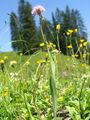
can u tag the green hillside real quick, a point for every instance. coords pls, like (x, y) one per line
(25, 86)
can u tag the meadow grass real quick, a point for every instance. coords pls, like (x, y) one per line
(25, 92)
(46, 85)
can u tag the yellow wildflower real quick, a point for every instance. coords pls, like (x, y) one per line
(67, 33)
(58, 27)
(48, 99)
(60, 99)
(27, 63)
(85, 43)
(5, 57)
(54, 46)
(5, 93)
(75, 30)
(70, 31)
(56, 61)
(84, 55)
(48, 61)
(82, 40)
(73, 55)
(1, 61)
(76, 55)
(69, 46)
(42, 44)
(84, 65)
(81, 45)
(46, 55)
(50, 45)
(41, 61)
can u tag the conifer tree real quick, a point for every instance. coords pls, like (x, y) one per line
(27, 26)
(14, 31)
(28, 35)
(69, 19)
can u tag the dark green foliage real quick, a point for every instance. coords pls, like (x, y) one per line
(28, 36)
(14, 31)
(27, 26)
(69, 19)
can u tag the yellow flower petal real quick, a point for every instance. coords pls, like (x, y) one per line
(42, 44)
(1, 61)
(81, 45)
(27, 63)
(84, 55)
(70, 31)
(41, 61)
(58, 27)
(67, 33)
(76, 30)
(85, 43)
(82, 40)
(5, 57)
(69, 46)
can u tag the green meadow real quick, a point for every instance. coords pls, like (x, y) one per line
(26, 92)
(48, 77)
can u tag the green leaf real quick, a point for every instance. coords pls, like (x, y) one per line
(53, 94)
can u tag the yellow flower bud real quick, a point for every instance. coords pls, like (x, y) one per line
(82, 40)
(1, 61)
(58, 27)
(27, 63)
(70, 31)
(85, 43)
(42, 44)
(5, 57)
(76, 30)
(41, 61)
(67, 33)
(81, 45)
(84, 55)
(69, 46)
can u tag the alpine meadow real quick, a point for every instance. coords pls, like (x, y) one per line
(47, 74)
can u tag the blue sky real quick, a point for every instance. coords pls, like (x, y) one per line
(6, 6)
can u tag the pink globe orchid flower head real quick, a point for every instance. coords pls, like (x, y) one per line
(38, 10)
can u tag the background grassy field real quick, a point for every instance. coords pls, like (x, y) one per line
(25, 92)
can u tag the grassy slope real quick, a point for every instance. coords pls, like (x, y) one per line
(67, 66)
(67, 69)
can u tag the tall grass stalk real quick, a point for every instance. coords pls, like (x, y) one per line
(80, 96)
(58, 43)
(28, 109)
(52, 77)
